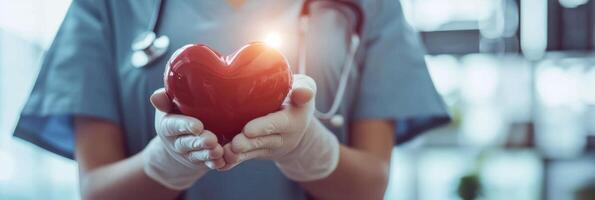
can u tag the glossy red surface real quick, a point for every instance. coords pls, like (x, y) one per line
(227, 92)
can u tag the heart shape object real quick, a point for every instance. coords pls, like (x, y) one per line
(225, 93)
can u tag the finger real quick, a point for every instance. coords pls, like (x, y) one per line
(205, 155)
(256, 154)
(186, 143)
(271, 123)
(242, 144)
(174, 125)
(303, 90)
(216, 163)
(198, 156)
(161, 101)
(210, 139)
(216, 153)
(231, 159)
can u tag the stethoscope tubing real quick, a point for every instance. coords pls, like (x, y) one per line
(331, 114)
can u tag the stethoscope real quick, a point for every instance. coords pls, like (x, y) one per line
(147, 47)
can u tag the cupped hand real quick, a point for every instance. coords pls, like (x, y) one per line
(184, 136)
(182, 151)
(291, 136)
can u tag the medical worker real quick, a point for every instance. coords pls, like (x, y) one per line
(92, 104)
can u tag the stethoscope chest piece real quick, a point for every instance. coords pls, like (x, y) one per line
(147, 47)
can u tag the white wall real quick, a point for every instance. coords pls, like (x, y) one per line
(27, 172)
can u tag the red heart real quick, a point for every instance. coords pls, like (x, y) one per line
(226, 92)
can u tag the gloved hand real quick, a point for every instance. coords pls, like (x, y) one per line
(302, 148)
(182, 151)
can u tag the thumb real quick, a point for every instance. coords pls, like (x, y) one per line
(304, 90)
(161, 101)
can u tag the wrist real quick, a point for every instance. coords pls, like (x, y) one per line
(315, 157)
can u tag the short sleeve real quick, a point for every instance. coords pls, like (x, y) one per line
(77, 78)
(395, 82)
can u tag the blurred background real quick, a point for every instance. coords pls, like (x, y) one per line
(518, 77)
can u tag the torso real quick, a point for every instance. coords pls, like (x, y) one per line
(225, 29)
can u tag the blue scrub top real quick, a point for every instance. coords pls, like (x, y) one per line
(87, 72)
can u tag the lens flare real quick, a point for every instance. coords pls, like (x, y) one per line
(273, 39)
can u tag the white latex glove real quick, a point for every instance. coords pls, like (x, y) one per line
(302, 148)
(182, 151)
